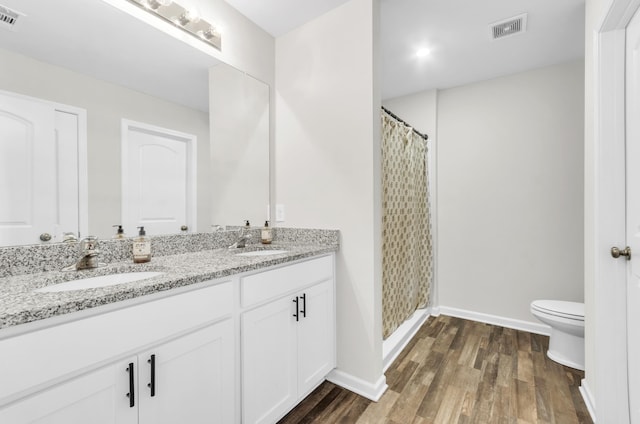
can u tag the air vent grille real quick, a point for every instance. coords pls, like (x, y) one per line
(8, 18)
(508, 27)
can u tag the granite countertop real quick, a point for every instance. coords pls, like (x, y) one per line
(19, 304)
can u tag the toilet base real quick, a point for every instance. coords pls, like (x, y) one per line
(566, 349)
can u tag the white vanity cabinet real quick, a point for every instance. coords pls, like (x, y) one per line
(246, 348)
(288, 336)
(101, 369)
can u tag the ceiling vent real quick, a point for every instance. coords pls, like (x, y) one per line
(9, 18)
(508, 27)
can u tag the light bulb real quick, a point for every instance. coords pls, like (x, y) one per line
(208, 34)
(189, 16)
(155, 4)
(423, 52)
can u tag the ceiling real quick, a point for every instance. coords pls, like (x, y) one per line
(456, 32)
(462, 51)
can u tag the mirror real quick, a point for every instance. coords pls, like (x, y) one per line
(89, 55)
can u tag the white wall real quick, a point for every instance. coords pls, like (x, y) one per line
(510, 191)
(327, 164)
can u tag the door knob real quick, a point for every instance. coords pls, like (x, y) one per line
(616, 253)
(45, 237)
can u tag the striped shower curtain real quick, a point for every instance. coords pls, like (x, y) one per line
(407, 266)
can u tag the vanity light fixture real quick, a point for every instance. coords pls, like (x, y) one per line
(187, 20)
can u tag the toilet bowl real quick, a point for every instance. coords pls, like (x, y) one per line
(566, 319)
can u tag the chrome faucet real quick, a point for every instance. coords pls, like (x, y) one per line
(243, 236)
(88, 255)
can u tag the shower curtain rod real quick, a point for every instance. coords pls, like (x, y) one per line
(394, 116)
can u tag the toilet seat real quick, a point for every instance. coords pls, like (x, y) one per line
(560, 308)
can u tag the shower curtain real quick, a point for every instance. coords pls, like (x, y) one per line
(407, 266)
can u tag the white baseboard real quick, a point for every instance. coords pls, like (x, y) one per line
(516, 324)
(371, 391)
(395, 343)
(588, 399)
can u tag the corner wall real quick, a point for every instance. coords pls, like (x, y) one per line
(327, 167)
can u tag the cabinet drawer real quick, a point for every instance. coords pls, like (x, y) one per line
(267, 285)
(35, 358)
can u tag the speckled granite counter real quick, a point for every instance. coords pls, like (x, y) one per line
(19, 304)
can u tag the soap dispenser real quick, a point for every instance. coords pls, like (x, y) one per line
(119, 233)
(141, 247)
(266, 235)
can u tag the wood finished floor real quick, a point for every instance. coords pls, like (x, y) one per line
(459, 371)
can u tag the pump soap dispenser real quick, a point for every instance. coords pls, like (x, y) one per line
(119, 233)
(141, 247)
(266, 234)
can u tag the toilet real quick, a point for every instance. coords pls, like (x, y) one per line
(566, 319)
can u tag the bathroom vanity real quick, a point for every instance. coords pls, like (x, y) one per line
(217, 337)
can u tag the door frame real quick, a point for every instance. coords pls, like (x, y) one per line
(83, 167)
(606, 319)
(192, 159)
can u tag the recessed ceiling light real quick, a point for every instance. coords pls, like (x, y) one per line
(423, 52)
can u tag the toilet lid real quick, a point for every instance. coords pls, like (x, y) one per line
(561, 308)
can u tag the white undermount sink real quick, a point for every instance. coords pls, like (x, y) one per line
(100, 281)
(266, 252)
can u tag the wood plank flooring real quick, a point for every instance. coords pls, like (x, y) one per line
(459, 371)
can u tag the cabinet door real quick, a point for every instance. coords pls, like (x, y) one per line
(193, 380)
(98, 397)
(316, 336)
(269, 385)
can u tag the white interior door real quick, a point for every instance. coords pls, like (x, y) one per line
(158, 179)
(633, 212)
(27, 170)
(42, 170)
